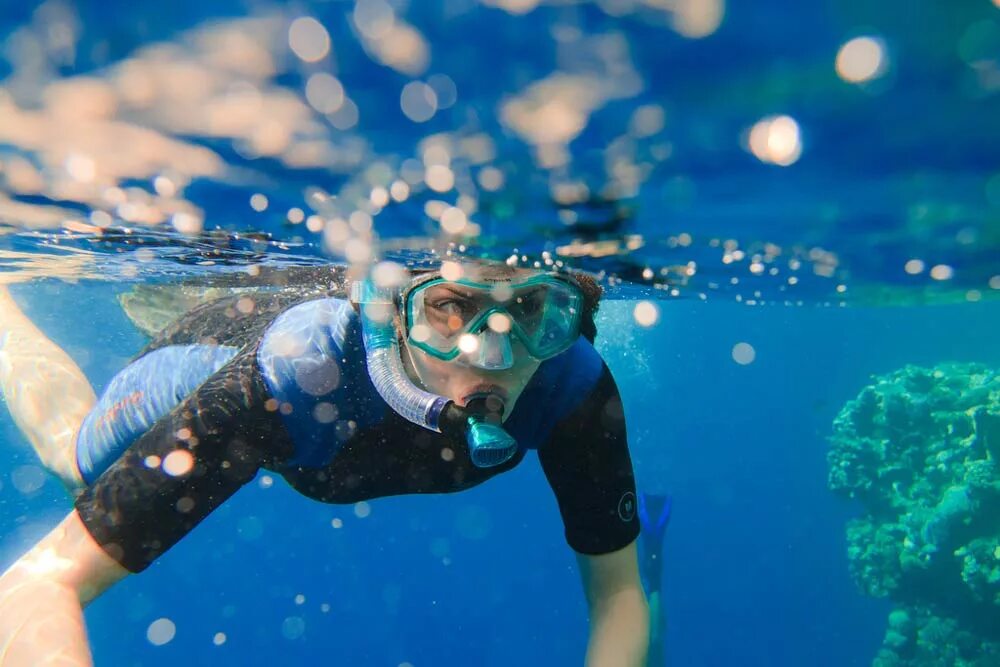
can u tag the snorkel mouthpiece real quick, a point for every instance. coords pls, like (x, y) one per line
(489, 444)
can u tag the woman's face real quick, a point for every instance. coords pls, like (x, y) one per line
(445, 309)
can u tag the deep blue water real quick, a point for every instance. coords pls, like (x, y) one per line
(755, 565)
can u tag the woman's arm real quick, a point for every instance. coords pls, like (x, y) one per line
(42, 597)
(619, 615)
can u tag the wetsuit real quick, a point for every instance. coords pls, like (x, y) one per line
(279, 381)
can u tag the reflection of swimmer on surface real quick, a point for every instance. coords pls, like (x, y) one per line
(654, 515)
(431, 385)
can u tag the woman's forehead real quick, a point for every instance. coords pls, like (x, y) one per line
(485, 272)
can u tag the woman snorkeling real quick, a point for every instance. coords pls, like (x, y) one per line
(410, 381)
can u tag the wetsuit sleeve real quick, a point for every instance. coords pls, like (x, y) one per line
(187, 464)
(588, 466)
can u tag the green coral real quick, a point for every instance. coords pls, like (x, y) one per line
(919, 449)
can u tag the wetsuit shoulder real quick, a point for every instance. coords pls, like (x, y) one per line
(313, 363)
(557, 388)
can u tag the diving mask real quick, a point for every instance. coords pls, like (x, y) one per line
(476, 320)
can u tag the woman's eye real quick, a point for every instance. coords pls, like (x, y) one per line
(450, 307)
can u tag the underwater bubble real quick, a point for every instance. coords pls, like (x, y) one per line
(743, 353)
(914, 267)
(219, 639)
(399, 191)
(942, 272)
(308, 39)
(454, 220)
(362, 510)
(379, 196)
(293, 627)
(164, 186)
(646, 120)
(995, 282)
(337, 523)
(451, 271)
(374, 18)
(325, 413)
(420, 332)
(266, 481)
(775, 140)
(444, 89)
(178, 462)
(186, 223)
(324, 92)
(491, 179)
(318, 379)
(696, 18)
(325, 608)
(161, 631)
(512, 7)
(499, 322)
(300, 599)
(357, 251)
(468, 343)
(418, 101)
(27, 479)
(439, 178)
(861, 59)
(346, 116)
(296, 215)
(185, 505)
(245, 305)
(646, 313)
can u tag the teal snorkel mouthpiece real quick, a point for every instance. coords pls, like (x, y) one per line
(489, 444)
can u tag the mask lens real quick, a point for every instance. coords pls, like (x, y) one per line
(543, 312)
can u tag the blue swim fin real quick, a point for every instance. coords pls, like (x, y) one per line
(654, 512)
(654, 516)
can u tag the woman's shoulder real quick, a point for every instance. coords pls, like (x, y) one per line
(311, 324)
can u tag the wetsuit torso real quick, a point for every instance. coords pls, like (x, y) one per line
(279, 381)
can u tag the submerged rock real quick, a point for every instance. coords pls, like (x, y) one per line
(919, 448)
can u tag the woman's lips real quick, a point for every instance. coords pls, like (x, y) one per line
(485, 391)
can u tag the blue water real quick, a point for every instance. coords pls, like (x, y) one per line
(756, 570)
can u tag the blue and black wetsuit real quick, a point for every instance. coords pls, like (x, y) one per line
(279, 381)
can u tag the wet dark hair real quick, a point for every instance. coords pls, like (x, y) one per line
(592, 293)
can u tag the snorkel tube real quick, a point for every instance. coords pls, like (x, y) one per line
(489, 444)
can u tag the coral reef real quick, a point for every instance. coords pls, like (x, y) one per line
(920, 450)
